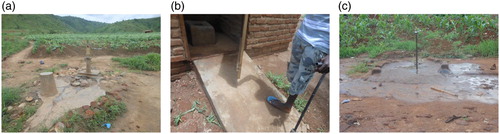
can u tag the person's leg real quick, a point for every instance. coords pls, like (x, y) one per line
(293, 66)
(299, 75)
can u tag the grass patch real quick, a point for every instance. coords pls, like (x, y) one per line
(451, 36)
(300, 104)
(360, 68)
(108, 112)
(63, 65)
(148, 62)
(279, 81)
(488, 48)
(10, 96)
(346, 52)
(12, 43)
(404, 45)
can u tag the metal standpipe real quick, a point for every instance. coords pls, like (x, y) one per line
(416, 51)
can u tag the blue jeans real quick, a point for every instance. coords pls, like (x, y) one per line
(302, 65)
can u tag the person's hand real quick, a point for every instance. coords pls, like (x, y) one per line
(325, 67)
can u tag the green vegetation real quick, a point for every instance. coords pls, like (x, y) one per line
(10, 96)
(212, 119)
(51, 24)
(300, 104)
(178, 118)
(134, 25)
(128, 41)
(13, 120)
(279, 81)
(79, 121)
(55, 32)
(12, 42)
(148, 62)
(362, 67)
(376, 34)
(63, 65)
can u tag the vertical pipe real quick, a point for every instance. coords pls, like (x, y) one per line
(87, 60)
(416, 51)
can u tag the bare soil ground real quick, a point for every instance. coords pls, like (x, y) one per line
(140, 89)
(184, 92)
(387, 114)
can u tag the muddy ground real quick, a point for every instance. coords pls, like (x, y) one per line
(140, 89)
(408, 105)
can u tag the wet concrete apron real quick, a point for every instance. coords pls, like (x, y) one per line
(399, 80)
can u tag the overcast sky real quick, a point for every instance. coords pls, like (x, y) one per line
(111, 18)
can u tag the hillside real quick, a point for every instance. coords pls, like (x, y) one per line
(81, 25)
(39, 23)
(49, 24)
(134, 25)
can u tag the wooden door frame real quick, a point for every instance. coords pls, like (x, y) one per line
(242, 46)
(187, 53)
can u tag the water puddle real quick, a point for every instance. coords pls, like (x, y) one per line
(399, 80)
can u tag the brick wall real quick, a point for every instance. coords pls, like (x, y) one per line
(270, 33)
(177, 52)
(178, 57)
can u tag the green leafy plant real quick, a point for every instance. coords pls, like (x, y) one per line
(212, 119)
(278, 80)
(300, 104)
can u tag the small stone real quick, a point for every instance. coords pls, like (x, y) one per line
(468, 130)
(10, 108)
(84, 83)
(374, 87)
(356, 99)
(35, 83)
(103, 100)
(59, 127)
(113, 81)
(89, 113)
(22, 105)
(85, 107)
(104, 81)
(93, 104)
(28, 99)
(76, 83)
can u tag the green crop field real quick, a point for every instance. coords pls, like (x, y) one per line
(450, 36)
(128, 41)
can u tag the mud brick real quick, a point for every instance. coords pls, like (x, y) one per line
(202, 33)
(175, 42)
